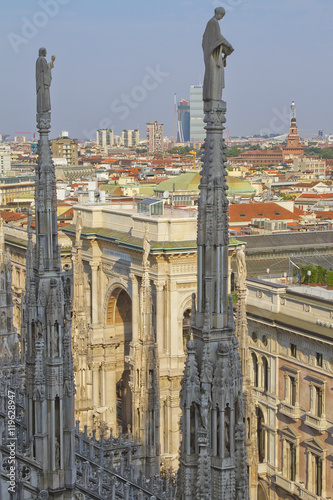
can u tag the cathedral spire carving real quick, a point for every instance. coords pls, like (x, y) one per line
(49, 371)
(213, 457)
(242, 335)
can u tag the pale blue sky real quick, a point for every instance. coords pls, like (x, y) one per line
(283, 51)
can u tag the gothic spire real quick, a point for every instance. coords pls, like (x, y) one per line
(49, 370)
(213, 458)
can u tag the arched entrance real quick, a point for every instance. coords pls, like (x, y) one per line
(119, 318)
(261, 493)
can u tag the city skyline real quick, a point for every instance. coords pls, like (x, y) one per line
(118, 70)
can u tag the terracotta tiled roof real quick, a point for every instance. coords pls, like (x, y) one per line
(306, 184)
(77, 184)
(12, 216)
(68, 213)
(324, 214)
(315, 196)
(244, 212)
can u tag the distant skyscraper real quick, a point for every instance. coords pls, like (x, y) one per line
(183, 121)
(130, 138)
(104, 137)
(197, 131)
(154, 137)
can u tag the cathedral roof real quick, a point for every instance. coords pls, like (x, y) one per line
(126, 240)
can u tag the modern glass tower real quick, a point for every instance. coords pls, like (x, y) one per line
(183, 121)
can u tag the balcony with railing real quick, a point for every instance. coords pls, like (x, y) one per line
(317, 423)
(289, 410)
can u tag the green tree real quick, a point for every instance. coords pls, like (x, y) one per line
(325, 153)
(232, 152)
(181, 150)
(329, 278)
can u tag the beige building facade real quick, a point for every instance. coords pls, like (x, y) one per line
(291, 373)
(9, 192)
(67, 148)
(115, 261)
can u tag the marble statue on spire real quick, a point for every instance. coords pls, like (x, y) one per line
(216, 49)
(146, 246)
(241, 266)
(43, 81)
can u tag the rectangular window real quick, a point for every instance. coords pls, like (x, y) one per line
(293, 350)
(292, 461)
(292, 391)
(319, 476)
(319, 358)
(319, 401)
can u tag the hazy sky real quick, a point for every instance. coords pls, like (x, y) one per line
(118, 62)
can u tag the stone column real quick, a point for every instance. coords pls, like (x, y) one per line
(135, 308)
(160, 315)
(214, 431)
(260, 374)
(172, 346)
(94, 292)
(95, 385)
(110, 390)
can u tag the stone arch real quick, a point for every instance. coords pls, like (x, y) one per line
(265, 372)
(185, 303)
(113, 285)
(255, 369)
(118, 324)
(262, 494)
(261, 434)
(184, 318)
(119, 308)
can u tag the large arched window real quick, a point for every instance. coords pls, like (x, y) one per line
(265, 373)
(119, 320)
(255, 370)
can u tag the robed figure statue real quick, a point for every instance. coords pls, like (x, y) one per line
(43, 81)
(216, 49)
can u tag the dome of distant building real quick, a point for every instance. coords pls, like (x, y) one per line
(190, 182)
